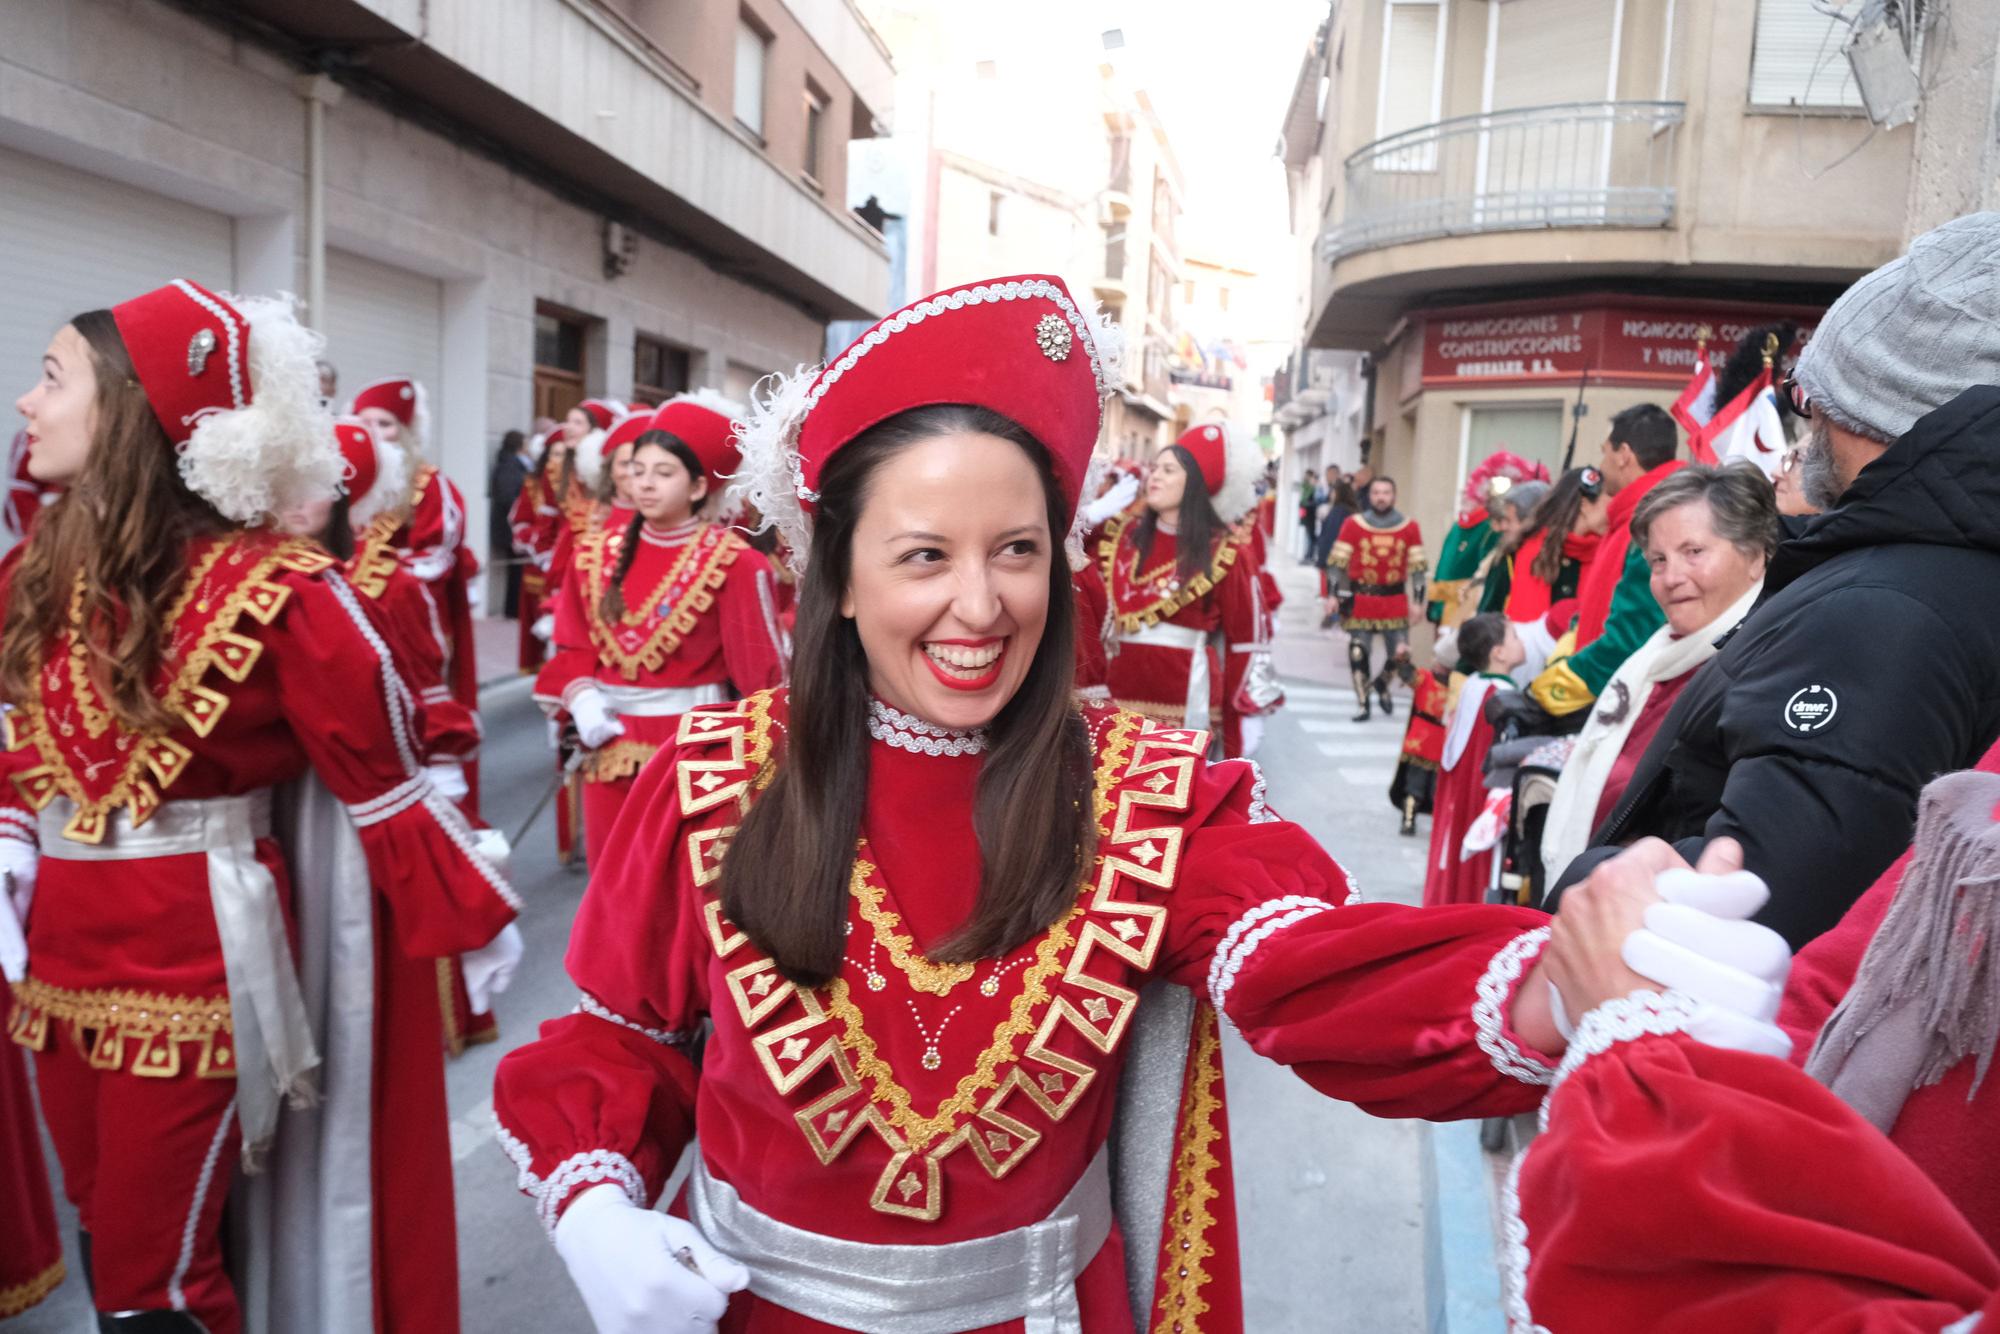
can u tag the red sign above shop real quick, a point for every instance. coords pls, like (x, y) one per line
(1609, 339)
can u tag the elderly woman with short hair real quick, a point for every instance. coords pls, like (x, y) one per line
(1707, 534)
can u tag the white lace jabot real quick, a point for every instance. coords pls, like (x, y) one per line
(913, 734)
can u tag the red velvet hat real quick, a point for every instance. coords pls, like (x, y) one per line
(191, 351)
(356, 439)
(627, 429)
(706, 422)
(1230, 464)
(1018, 346)
(233, 382)
(397, 396)
(601, 411)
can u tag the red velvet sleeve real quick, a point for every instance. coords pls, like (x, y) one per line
(607, 1093)
(753, 640)
(407, 616)
(1681, 1187)
(17, 817)
(572, 660)
(1402, 1010)
(1239, 599)
(1092, 601)
(339, 690)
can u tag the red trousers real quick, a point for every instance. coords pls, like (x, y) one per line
(31, 1258)
(147, 1163)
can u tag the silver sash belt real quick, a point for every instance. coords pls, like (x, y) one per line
(658, 701)
(1195, 710)
(1027, 1274)
(272, 1034)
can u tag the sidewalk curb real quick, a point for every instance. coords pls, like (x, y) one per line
(1461, 1280)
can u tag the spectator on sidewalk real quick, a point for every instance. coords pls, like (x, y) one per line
(1615, 608)
(511, 467)
(1707, 534)
(1341, 505)
(1873, 662)
(1311, 496)
(1513, 514)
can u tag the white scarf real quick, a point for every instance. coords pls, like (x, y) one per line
(1573, 811)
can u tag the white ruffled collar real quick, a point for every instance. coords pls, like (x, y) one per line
(893, 727)
(668, 537)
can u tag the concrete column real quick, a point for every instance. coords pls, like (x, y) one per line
(1957, 153)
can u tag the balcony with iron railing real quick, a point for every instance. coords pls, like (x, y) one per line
(1577, 164)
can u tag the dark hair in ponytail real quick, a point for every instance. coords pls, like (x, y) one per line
(611, 607)
(785, 881)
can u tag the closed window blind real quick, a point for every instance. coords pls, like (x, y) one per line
(1409, 89)
(750, 77)
(1552, 51)
(1796, 58)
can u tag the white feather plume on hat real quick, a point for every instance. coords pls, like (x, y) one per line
(253, 462)
(1242, 466)
(590, 458)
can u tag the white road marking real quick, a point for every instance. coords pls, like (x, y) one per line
(1366, 777)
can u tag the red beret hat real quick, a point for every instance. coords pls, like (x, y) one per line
(397, 396)
(191, 352)
(706, 422)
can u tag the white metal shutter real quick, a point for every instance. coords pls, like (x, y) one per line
(1552, 51)
(71, 242)
(383, 321)
(1796, 59)
(1409, 89)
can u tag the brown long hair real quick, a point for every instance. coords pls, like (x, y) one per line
(1556, 515)
(123, 527)
(785, 879)
(1198, 530)
(611, 607)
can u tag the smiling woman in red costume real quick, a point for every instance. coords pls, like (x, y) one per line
(168, 661)
(658, 615)
(532, 523)
(918, 895)
(1179, 574)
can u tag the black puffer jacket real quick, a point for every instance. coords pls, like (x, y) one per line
(1870, 666)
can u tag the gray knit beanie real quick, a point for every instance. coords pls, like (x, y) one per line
(1911, 336)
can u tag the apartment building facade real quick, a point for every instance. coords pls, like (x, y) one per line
(1525, 214)
(520, 202)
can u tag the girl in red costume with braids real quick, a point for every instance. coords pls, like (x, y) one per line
(918, 895)
(532, 523)
(658, 615)
(1184, 571)
(198, 954)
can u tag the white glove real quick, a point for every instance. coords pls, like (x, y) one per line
(1252, 731)
(475, 592)
(544, 627)
(1122, 493)
(641, 1271)
(490, 968)
(596, 725)
(1700, 943)
(19, 860)
(448, 777)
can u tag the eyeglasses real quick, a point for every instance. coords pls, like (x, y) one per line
(1795, 395)
(1591, 483)
(1791, 458)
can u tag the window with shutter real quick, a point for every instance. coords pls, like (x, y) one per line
(1796, 60)
(1412, 53)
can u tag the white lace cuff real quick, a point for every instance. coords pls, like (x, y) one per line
(1623, 1019)
(1495, 994)
(1251, 930)
(589, 1004)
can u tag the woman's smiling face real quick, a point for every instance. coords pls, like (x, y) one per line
(949, 580)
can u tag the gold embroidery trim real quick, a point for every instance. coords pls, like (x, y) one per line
(621, 759)
(216, 645)
(933, 979)
(671, 629)
(1187, 594)
(1020, 1021)
(374, 560)
(136, 1014)
(31, 1292)
(1188, 1248)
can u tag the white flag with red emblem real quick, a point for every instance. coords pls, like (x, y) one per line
(1696, 405)
(1748, 428)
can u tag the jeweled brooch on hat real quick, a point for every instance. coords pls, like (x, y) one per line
(1053, 335)
(199, 348)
